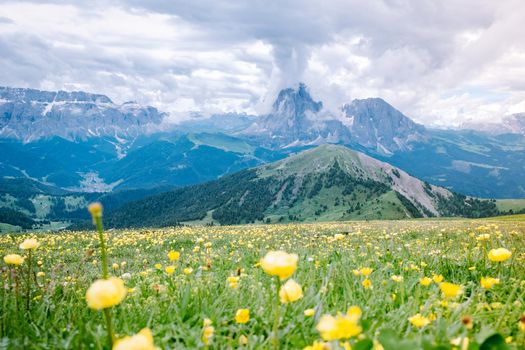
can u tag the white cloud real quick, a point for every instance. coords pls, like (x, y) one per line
(440, 62)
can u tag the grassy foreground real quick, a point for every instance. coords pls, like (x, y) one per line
(192, 300)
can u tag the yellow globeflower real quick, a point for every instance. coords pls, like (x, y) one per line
(425, 281)
(437, 278)
(29, 243)
(106, 293)
(397, 278)
(450, 290)
(173, 255)
(499, 255)
(340, 326)
(187, 271)
(170, 269)
(143, 340)
(242, 316)
(309, 312)
(290, 292)
(95, 209)
(279, 263)
(489, 282)
(13, 259)
(419, 321)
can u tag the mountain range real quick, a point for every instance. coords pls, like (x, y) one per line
(83, 143)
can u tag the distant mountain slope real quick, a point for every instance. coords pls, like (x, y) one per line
(326, 183)
(29, 115)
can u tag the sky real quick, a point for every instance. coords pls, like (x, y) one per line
(442, 63)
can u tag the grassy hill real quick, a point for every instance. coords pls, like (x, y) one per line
(327, 183)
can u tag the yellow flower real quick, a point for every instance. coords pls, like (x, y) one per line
(40, 274)
(95, 209)
(489, 282)
(13, 259)
(340, 326)
(437, 278)
(170, 269)
(243, 340)
(499, 255)
(290, 292)
(143, 340)
(115, 266)
(187, 271)
(105, 293)
(207, 333)
(242, 316)
(366, 283)
(29, 243)
(450, 290)
(158, 266)
(366, 271)
(460, 342)
(419, 321)
(397, 278)
(173, 255)
(279, 263)
(233, 281)
(425, 281)
(309, 312)
(318, 345)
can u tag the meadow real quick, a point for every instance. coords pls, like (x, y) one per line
(392, 285)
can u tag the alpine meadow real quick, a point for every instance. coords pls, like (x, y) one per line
(263, 175)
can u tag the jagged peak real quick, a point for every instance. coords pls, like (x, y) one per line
(296, 99)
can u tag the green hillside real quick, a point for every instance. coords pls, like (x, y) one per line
(326, 183)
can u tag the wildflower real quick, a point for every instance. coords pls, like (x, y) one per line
(170, 269)
(499, 255)
(279, 263)
(366, 283)
(173, 255)
(460, 342)
(143, 340)
(425, 281)
(397, 278)
(13, 259)
(207, 334)
(340, 326)
(437, 278)
(366, 271)
(105, 293)
(95, 209)
(419, 321)
(158, 266)
(233, 282)
(521, 323)
(242, 316)
(309, 312)
(187, 271)
(243, 340)
(489, 282)
(467, 322)
(290, 292)
(318, 345)
(450, 290)
(29, 243)
(115, 266)
(40, 274)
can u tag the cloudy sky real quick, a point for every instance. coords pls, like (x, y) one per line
(440, 62)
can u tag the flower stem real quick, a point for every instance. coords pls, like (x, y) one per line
(28, 291)
(277, 315)
(109, 326)
(103, 253)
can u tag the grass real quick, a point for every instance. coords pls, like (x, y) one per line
(505, 205)
(174, 306)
